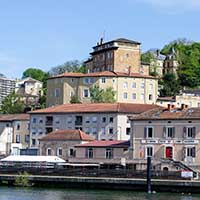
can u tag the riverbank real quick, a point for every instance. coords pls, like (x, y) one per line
(158, 185)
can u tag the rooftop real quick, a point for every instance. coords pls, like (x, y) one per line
(14, 117)
(130, 108)
(102, 74)
(62, 135)
(113, 143)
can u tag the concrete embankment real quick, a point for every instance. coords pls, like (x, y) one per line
(190, 186)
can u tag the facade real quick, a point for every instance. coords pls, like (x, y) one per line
(30, 89)
(169, 134)
(170, 64)
(104, 152)
(7, 86)
(62, 143)
(120, 55)
(129, 88)
(104, 121)
(14, 133)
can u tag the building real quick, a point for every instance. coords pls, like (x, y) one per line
(7, 86)
(129, 88)
(104, 121)
(119, 55)
(168, 135)
(62, 142)
(104, 152)
(14, 133)
(30, 89)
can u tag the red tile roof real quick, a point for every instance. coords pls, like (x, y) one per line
(98, 107)
(172, 114)
(101, 144)
(102, 74)
(67, 135)
(14, 117)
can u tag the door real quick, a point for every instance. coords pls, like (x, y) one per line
(169, 152)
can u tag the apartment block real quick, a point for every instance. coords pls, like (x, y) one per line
(167, 134)
(7, 86)
(104, 121)
(129, 88)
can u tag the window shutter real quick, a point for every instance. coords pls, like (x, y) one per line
(193, 132)
(193, 152)
(184, 153)
(184, 132)
(86, 152)
(164, 131)
(173, 135)
(145, 132)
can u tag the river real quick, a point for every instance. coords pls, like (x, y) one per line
(12, 193)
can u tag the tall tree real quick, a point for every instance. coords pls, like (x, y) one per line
(99, 95)
(12, 104)
(69, 66)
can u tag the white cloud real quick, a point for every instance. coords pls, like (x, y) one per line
(175, 5)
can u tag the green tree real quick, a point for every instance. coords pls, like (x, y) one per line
(12, 104)
(74, 99)
(170, 85)
(69, 66)
(99, 95)
(147, 57)
(37, 74)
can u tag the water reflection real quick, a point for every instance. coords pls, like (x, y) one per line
(75, 194)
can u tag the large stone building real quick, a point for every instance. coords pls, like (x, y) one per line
(115, 64)
(7, 86)
(168, 135)
(120, 55)
(129, 88)
(104, 121)
(14, 133)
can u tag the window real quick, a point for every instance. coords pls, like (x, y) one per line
(128, 131)
(87, 120)
(33, 142)
(27, 138)
(33, 131)
(72, 80)
(150, 97)
(110, 131)
(103, 80)
(134, 85)
(94, 119)
(109, 153)
(149, 151)
(149, 132)
(134, 96)
(125, 85)
(85, 80)
(59, 151)
(150, 86)
(57, 120)
(18, 126)
(142, 86)
(86, 93)
(142, 96)
(169, 132)
(87, 130)
(17, 138)
(49, 152)
(69, 120)
(91, 80)
(72, 152)
(40, 131)
(125, 95)
(103, 130)
(103, 119)
(111, 120)
(94, 130)
(57, 92)
(40, 120)
(89, 153)
(189, 132)
(34, 120)
(191, 152)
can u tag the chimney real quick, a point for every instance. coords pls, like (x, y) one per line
(101, 41)
(129, 70)
(157, 52)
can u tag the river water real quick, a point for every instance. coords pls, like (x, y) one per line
(12, 193)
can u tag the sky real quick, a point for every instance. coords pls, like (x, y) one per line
(45, 33)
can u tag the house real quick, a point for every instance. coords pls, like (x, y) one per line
(104, 152)
(115, 64)
(128, 87)
(104, 121)
(167, 135)
(14, 133)
(7, 86)
(62, 142)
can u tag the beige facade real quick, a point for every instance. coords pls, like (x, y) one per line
(132, 88)
(167, 134)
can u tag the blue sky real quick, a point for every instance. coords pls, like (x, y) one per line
(46, 33)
